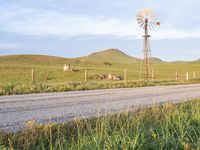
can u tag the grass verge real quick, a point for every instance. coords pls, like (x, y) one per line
(160, 127)
(42, 87)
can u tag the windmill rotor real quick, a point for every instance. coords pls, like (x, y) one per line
(148, 16)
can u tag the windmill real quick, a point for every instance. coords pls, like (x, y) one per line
(146, 20)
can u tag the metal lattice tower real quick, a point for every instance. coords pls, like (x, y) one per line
(147, 20)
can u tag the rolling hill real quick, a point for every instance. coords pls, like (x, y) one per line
(109, 56)
(33, 60)
(111, 61)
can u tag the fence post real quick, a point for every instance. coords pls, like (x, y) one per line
(47, 76)
(33, 75)
(187, 76)
(125, 76)
(194, 75)
(176, 75)
(153, 76)
(86, 75)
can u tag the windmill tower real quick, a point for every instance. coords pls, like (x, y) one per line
(146, 20)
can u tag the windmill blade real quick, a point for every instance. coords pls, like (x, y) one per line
(140, 15)
(149, 26)
(139, 22)
(152, 15)
(141, 25)
(155, 23)
(139, 19)
(153, 19)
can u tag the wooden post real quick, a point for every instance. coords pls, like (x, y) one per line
(194, 75)
(47, 76)
(176, 75)
(125, 76)
(33, 76)
(86, 75)
(187, 76)
(153, 76)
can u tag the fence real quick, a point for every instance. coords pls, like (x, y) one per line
(127, 76)
(92, 75)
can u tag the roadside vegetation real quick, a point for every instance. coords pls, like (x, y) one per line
(39, 87)
(167, 126)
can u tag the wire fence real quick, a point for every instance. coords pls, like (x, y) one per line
(123, 75)
(91, 75)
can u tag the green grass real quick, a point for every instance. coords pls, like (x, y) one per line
(160, 127)
(39, 87)
(15, 72)
(17, 68)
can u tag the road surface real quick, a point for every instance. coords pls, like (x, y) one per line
(60, 107)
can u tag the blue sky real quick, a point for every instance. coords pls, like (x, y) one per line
(72, 28)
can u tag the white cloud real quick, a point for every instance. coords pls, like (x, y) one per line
(44, 23)
(38, 22)
(13, 12)
(170, 31)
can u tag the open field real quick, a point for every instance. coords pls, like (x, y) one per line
(160, 127)
(15, 72)
(17, 68)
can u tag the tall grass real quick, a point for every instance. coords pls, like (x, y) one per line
(42, 87)
(160, 127)
(39, 87)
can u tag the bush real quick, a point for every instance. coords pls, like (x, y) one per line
(8, 89)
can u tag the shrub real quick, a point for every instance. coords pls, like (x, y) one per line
(8, 89)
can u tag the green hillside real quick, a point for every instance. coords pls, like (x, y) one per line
(112, 56)
(33, 60)
(17, 68)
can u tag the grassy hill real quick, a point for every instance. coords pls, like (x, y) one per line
(114, 56)
(111, 56)
(17, 68)
(33, 60)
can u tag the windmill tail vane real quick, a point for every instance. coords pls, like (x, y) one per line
(158, 23)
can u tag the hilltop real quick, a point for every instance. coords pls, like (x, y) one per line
(111, 56)
(33, 60)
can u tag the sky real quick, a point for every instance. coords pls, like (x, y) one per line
(73, 28)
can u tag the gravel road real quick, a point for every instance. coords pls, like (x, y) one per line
(59, 107)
